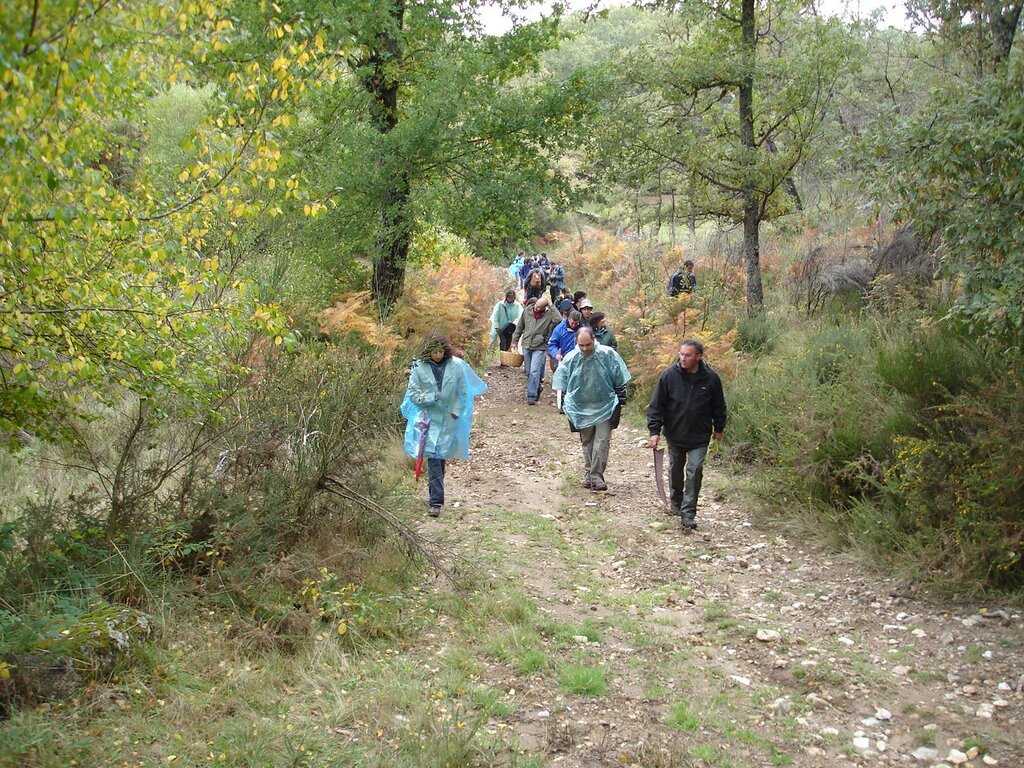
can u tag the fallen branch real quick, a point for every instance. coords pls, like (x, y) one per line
(417, 545)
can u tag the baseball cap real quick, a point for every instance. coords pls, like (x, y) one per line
(586, 303)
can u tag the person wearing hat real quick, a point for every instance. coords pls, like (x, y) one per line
(587, 310)
(577, 297)
(602, 333)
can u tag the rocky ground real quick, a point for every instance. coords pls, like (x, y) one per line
(736, 645)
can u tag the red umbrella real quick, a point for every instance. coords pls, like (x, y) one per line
(424, 427)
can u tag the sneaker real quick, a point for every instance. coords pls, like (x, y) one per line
(599, 486)
(435, 511)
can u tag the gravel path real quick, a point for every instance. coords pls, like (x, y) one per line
(734, 646)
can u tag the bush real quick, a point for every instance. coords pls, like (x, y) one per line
(930, 367)
(757, 334)
(911, 453)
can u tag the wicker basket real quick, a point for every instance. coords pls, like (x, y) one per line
(510, 358)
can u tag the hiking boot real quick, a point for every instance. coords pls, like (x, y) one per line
(599, 487)
(435, 510)
(531, 402)
(689, 523)
(586, 483)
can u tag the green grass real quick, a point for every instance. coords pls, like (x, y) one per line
(974, 654)
(683, 718)
(707, 753)
(583, 681)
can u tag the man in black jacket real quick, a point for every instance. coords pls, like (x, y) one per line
(689, 405)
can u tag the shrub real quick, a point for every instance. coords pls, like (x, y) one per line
(757, 334)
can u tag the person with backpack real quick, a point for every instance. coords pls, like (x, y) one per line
(603, 333)
(682, 280)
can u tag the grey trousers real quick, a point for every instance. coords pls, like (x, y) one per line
(686, 470)
(596, 442)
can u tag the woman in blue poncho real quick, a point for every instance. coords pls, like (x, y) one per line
(438, 405)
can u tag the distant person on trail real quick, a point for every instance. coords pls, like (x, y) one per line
(682, 280)
(594, 380)
(504, 317)
(602, 333)
(515, 266)
(438, 406)
(559, 272)
(524, 271)
(688, 403)
(533, 329)
(535, 287)
(564, 306)
(553, 289)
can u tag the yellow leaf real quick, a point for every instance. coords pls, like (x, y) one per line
(157, 365)
(342, 628)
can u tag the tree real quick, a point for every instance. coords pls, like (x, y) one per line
(984, 30)
(109, 279)
(733, 95)
(419, 124)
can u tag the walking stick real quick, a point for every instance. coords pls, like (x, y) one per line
(659, 477)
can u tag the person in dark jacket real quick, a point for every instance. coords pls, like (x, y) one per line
(535, 287)
(688, 404)
(682, 280)
(603, 333)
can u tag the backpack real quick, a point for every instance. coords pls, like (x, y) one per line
(675, 283)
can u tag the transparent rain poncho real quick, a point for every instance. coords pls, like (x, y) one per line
(440, 420)
(503, 314)
(589, 384)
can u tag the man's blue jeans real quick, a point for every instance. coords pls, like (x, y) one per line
(435, 473)
(686, 470)
(533, 361)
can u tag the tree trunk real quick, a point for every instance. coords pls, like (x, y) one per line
(751, 206)
(392, 247)
(1003, 23)
(391, 251)
(691, 213)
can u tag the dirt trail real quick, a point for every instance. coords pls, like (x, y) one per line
(734, 646)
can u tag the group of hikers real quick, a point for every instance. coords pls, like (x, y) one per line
(556, 328)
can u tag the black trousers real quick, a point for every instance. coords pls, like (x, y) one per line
(505, 337)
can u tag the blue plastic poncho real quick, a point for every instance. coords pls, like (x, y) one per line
(431, 411)
(503, 314)
(589, 384)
